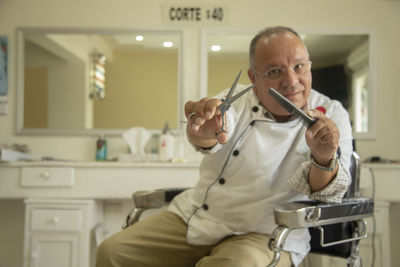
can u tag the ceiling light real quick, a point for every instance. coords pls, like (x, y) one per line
(215, 48)
(168, 44)
(139, 38)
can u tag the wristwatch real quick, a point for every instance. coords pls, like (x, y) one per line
(331, 166)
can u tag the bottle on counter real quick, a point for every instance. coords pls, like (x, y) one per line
(101, 148)
(166, 145)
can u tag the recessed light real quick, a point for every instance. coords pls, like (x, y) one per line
(215, 48)
(168, 44)
(139, 38)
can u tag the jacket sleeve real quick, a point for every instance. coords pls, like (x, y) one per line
(336, 189)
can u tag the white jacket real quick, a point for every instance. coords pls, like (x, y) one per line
(241, 181)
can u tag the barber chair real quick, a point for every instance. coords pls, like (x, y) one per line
(335, 228)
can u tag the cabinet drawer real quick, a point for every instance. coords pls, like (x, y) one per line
(47, 177)
(56, 220)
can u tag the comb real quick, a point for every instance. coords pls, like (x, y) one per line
(290, 107)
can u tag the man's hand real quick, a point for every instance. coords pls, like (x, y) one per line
(204, 122)
(322, 138)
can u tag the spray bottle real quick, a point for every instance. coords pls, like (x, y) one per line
(101, 148)
(166, 145)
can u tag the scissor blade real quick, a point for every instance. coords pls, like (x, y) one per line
(233, 99)
(233, 86)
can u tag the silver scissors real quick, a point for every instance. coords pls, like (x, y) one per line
(229, 99)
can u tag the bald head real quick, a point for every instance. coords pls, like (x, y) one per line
(268, 33)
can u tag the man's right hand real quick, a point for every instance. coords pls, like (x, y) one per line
(204, 127)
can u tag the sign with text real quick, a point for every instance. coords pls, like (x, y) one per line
(192, 15)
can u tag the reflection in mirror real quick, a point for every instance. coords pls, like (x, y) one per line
(98, 76)
(228, 54)
(340, 64)
(62, 92)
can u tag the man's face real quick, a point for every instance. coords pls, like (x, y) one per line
(285, 60)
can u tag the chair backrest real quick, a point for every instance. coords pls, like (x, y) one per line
(355, 169)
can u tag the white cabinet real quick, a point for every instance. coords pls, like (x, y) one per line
(53, 250)
(59, 232)
(58, 223)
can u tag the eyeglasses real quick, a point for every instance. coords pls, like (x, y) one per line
(277, 73)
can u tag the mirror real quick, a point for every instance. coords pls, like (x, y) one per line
(341, 69)
(80, 81)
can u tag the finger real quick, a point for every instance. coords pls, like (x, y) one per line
(198, 108)
(317, 114)
(321, 131)
(189, 108)
(222, 138)
(316, 127)
(327, 137)
(211, 108)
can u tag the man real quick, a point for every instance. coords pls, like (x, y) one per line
(264, 156)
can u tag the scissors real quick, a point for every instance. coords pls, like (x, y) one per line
(229, 99)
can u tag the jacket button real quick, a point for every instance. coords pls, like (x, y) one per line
(221, 181)
(236, 152)
(255, 109)
(205, 206)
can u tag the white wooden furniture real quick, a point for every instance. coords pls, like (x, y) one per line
(59, 232)
(64, 202)
(96, 181)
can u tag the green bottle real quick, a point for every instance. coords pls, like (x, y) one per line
(101, 148)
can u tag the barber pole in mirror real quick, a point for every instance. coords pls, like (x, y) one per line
(98, 76)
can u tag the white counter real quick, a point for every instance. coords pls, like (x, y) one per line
(98, 180)
(118, 180)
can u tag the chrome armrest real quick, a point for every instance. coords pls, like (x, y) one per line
(149, 199)
(153, 199)
(304, 214)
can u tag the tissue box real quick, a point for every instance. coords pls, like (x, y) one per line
(7, 154)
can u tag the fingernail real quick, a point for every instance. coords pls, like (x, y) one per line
(195, 127)
(208, 115)
(310, 112)
(199, 120)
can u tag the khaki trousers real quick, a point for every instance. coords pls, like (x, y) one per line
(160, 240)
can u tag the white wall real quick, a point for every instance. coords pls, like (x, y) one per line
(379, 17)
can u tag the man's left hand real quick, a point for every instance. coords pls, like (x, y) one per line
(322, 138)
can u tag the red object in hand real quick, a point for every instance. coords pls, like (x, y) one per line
(322, 109)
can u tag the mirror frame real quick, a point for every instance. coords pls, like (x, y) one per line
(22, 31)
(371, 134)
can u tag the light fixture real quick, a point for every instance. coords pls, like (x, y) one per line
(168, 44)
(139, 38)
(216, 48)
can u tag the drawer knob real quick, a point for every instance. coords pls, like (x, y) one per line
(54, 220)
(45, 174)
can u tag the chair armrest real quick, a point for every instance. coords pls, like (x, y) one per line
(152, 199)
(304, 214)
(149, 199)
